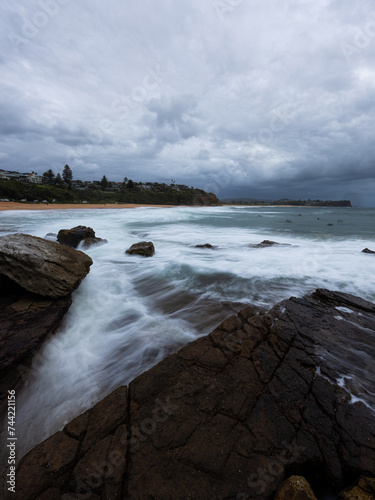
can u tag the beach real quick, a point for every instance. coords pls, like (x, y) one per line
(12, 205)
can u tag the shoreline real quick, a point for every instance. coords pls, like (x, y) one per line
(12, 205)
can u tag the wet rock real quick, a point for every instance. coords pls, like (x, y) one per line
(26, 320)
(42, 267)
(295, 488)
(230, 414)
(145, 248)
(74, 236)
(206, 245)
(269, 243)
(64, 462)
(367, 250)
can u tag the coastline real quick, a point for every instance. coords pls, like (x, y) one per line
(12, 205)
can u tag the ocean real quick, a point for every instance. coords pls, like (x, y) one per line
(130, 312)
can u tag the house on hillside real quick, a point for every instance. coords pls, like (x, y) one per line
(34, 178)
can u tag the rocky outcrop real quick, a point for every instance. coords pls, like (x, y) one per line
(145, 248)
(26, 319)
(230, 415)
(41, 266)
(367, 250)
(74, 236)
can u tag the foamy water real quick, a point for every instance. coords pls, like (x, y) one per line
(130, 312)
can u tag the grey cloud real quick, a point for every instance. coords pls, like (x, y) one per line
(262, 97)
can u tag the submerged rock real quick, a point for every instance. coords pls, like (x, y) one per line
(74, 236)
(40, 266)
(367, 250)
(145, 248)
(229, 414)
(269, 243)
(51, 237)
(206, 245)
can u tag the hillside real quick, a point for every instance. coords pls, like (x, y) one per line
(157, 194)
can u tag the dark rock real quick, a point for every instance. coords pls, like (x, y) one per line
(269, 243)
(206, 245)
(26, 320)
(145, 248)
(98, 468)
(366, 250)
(74, 236)
(40, 266)
(231, 414)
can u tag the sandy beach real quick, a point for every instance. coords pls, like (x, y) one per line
(10, 205)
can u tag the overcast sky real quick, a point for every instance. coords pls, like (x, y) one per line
(246, 98)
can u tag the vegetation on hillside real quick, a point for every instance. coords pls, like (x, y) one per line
(159, 194)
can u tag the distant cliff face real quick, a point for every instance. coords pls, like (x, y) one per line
(203, 198)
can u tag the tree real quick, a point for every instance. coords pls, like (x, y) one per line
(104, 183)
(67, 175)
(48, 177)
(130, 184)
(58, 180)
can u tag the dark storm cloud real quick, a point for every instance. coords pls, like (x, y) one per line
(260, 98)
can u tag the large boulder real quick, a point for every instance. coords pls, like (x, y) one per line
(74, 236)
(229, 415)
(41, 266)
(145, 248)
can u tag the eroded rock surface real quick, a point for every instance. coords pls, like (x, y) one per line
(40, 266)
(230, 415)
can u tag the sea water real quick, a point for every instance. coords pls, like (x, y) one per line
(130, 312)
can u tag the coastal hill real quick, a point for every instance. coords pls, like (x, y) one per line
(48, 188)
(154, 193)
(287, 202)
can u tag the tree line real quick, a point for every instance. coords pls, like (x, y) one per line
(58, 180)
(66, 179)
